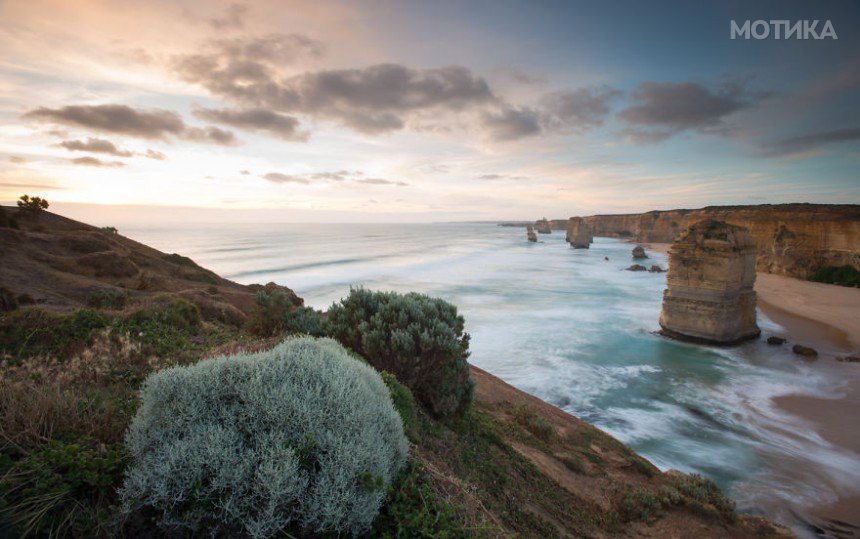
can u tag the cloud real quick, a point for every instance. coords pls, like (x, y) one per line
(96, 162)
(495, 177)
(374, 99)
(125, 120)
(233, 17)
(277, 177)
(521, 76)
(810, 142)
(380, 181)
(210, 134)
(94, 145)
(16, 159)
(122, 119)
(352, 176)
(511, 123)
(152, 154)
(278, 125)
(244, 172)
(577, 110)
(665, 109)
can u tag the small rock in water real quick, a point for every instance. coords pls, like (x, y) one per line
(849, 359)
(606, 258)
(639, 252)
(656, 269)
(775, 340)
(637, 267)
(804, 351)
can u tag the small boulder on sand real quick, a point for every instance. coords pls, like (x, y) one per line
(776, 341)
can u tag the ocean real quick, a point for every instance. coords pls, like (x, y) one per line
(571, 328)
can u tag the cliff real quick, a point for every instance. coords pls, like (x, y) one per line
(791, 239)
(60, 263)
(709, 292)
(579, 234)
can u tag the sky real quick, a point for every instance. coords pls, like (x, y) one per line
(384, 111)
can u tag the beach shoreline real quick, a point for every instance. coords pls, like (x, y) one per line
(824, 317)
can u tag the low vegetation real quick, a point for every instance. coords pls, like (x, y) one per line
(110, 425)
(300, 439)
(417, 338)
(32, 205)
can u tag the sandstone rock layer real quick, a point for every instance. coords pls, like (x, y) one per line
(579, 234)
(709, 295)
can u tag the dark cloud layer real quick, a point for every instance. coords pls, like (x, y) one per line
(94, 145)
(373, 99)
(578, 110)
(511, 123)
(278, 125)
(96, 162)
(125, 120)
(810, 142)
(665, 109)
(498, 177)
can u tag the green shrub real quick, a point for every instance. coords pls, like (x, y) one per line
(109, 230)
(403, 401)
(32, 205)
(35, 332)
(162, 328)
(412, 509)
(107, 298)
(275, 314)
(842, 275)
(60, 489)
(705, 491)
(300, 439)
(417, 338)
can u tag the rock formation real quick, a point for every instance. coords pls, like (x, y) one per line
(636, 267)
(656, 269)
(542, 226)
(804, 351)
(639, 252)
(775, 341)
(579, 234)
(530, 233)
(792, 239)
(709, 295)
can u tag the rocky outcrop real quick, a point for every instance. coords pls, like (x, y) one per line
(656, 269)
(636, 267)
(542, 226)
(530, 233)
(791, 239)
(804, 351)
(639, 252)
(709, 293)
(579, 234)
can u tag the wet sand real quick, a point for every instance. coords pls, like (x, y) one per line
(827, 318)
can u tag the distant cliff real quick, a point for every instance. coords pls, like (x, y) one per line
(791, 239)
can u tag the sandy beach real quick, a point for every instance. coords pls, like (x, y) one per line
(824, 317)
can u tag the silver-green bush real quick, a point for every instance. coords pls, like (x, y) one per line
(302, 438)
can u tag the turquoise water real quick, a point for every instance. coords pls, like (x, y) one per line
(573, 329)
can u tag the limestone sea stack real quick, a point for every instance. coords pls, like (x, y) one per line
(709, 294)
(579, 234)
(530, 233)
(639, 252)
(542, 226)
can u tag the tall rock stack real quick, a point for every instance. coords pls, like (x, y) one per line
(579, 234)
(542, 226)
(709, 295)
(530, 233)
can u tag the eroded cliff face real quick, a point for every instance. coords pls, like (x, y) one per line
(542, 226)
(709, 292)
(791, 239)
(579, 234)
